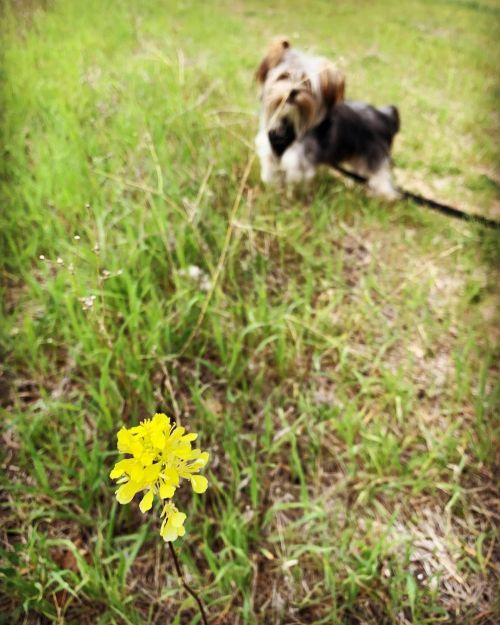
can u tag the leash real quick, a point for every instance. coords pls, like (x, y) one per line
(444, 209)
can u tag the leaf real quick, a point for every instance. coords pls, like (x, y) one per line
(411, 589)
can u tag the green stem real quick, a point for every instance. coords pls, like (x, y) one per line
(186, 585)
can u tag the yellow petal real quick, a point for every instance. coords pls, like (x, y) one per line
(167, 491)
(161, 420)
(136, 472)
(168, 531)
(158, 439)
(123, 439)
(172, 475)
(121, 468)
(129, 444)
(183, 452)
(147, 457)
(189, 437)
(146, 502)
(176, 434)
(199, 483)
(150, 474)
(202, 459)
(177, 519)
(126, 492)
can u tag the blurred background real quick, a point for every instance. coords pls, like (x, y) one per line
(338, 356)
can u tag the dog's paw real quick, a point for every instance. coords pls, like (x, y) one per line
(389, 194)
(380, 185)
(270, 176)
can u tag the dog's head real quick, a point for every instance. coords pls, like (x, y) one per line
(297, 91)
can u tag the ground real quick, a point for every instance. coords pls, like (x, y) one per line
(337, 356)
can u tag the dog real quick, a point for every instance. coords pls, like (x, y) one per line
(298, 90)
(352, 133)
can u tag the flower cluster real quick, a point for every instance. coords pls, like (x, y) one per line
(161, 456)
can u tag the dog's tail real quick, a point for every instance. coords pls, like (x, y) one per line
(393, 114)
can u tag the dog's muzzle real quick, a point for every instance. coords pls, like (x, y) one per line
(282, 137)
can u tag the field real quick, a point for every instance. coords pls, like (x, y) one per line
(338, 356)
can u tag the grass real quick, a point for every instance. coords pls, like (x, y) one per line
(341, 367)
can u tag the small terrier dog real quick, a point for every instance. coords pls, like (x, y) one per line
(305, 122)
(298, 90)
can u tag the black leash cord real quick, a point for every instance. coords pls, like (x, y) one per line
(445, 209)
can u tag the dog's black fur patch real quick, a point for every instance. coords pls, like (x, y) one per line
(353, 130)
(282, 137)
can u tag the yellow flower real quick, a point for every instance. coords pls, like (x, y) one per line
(173, 524)
(161, 455)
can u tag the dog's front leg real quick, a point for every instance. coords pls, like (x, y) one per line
(295, 165)
(269, 164)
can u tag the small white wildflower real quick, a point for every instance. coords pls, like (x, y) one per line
(87, 302)
(195, 273)
(205, 284)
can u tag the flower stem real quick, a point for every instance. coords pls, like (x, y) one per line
(186, 585)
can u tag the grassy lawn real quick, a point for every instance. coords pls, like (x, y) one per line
(338, 356)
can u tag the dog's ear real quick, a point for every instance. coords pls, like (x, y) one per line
(273, 57)
(332, 85)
